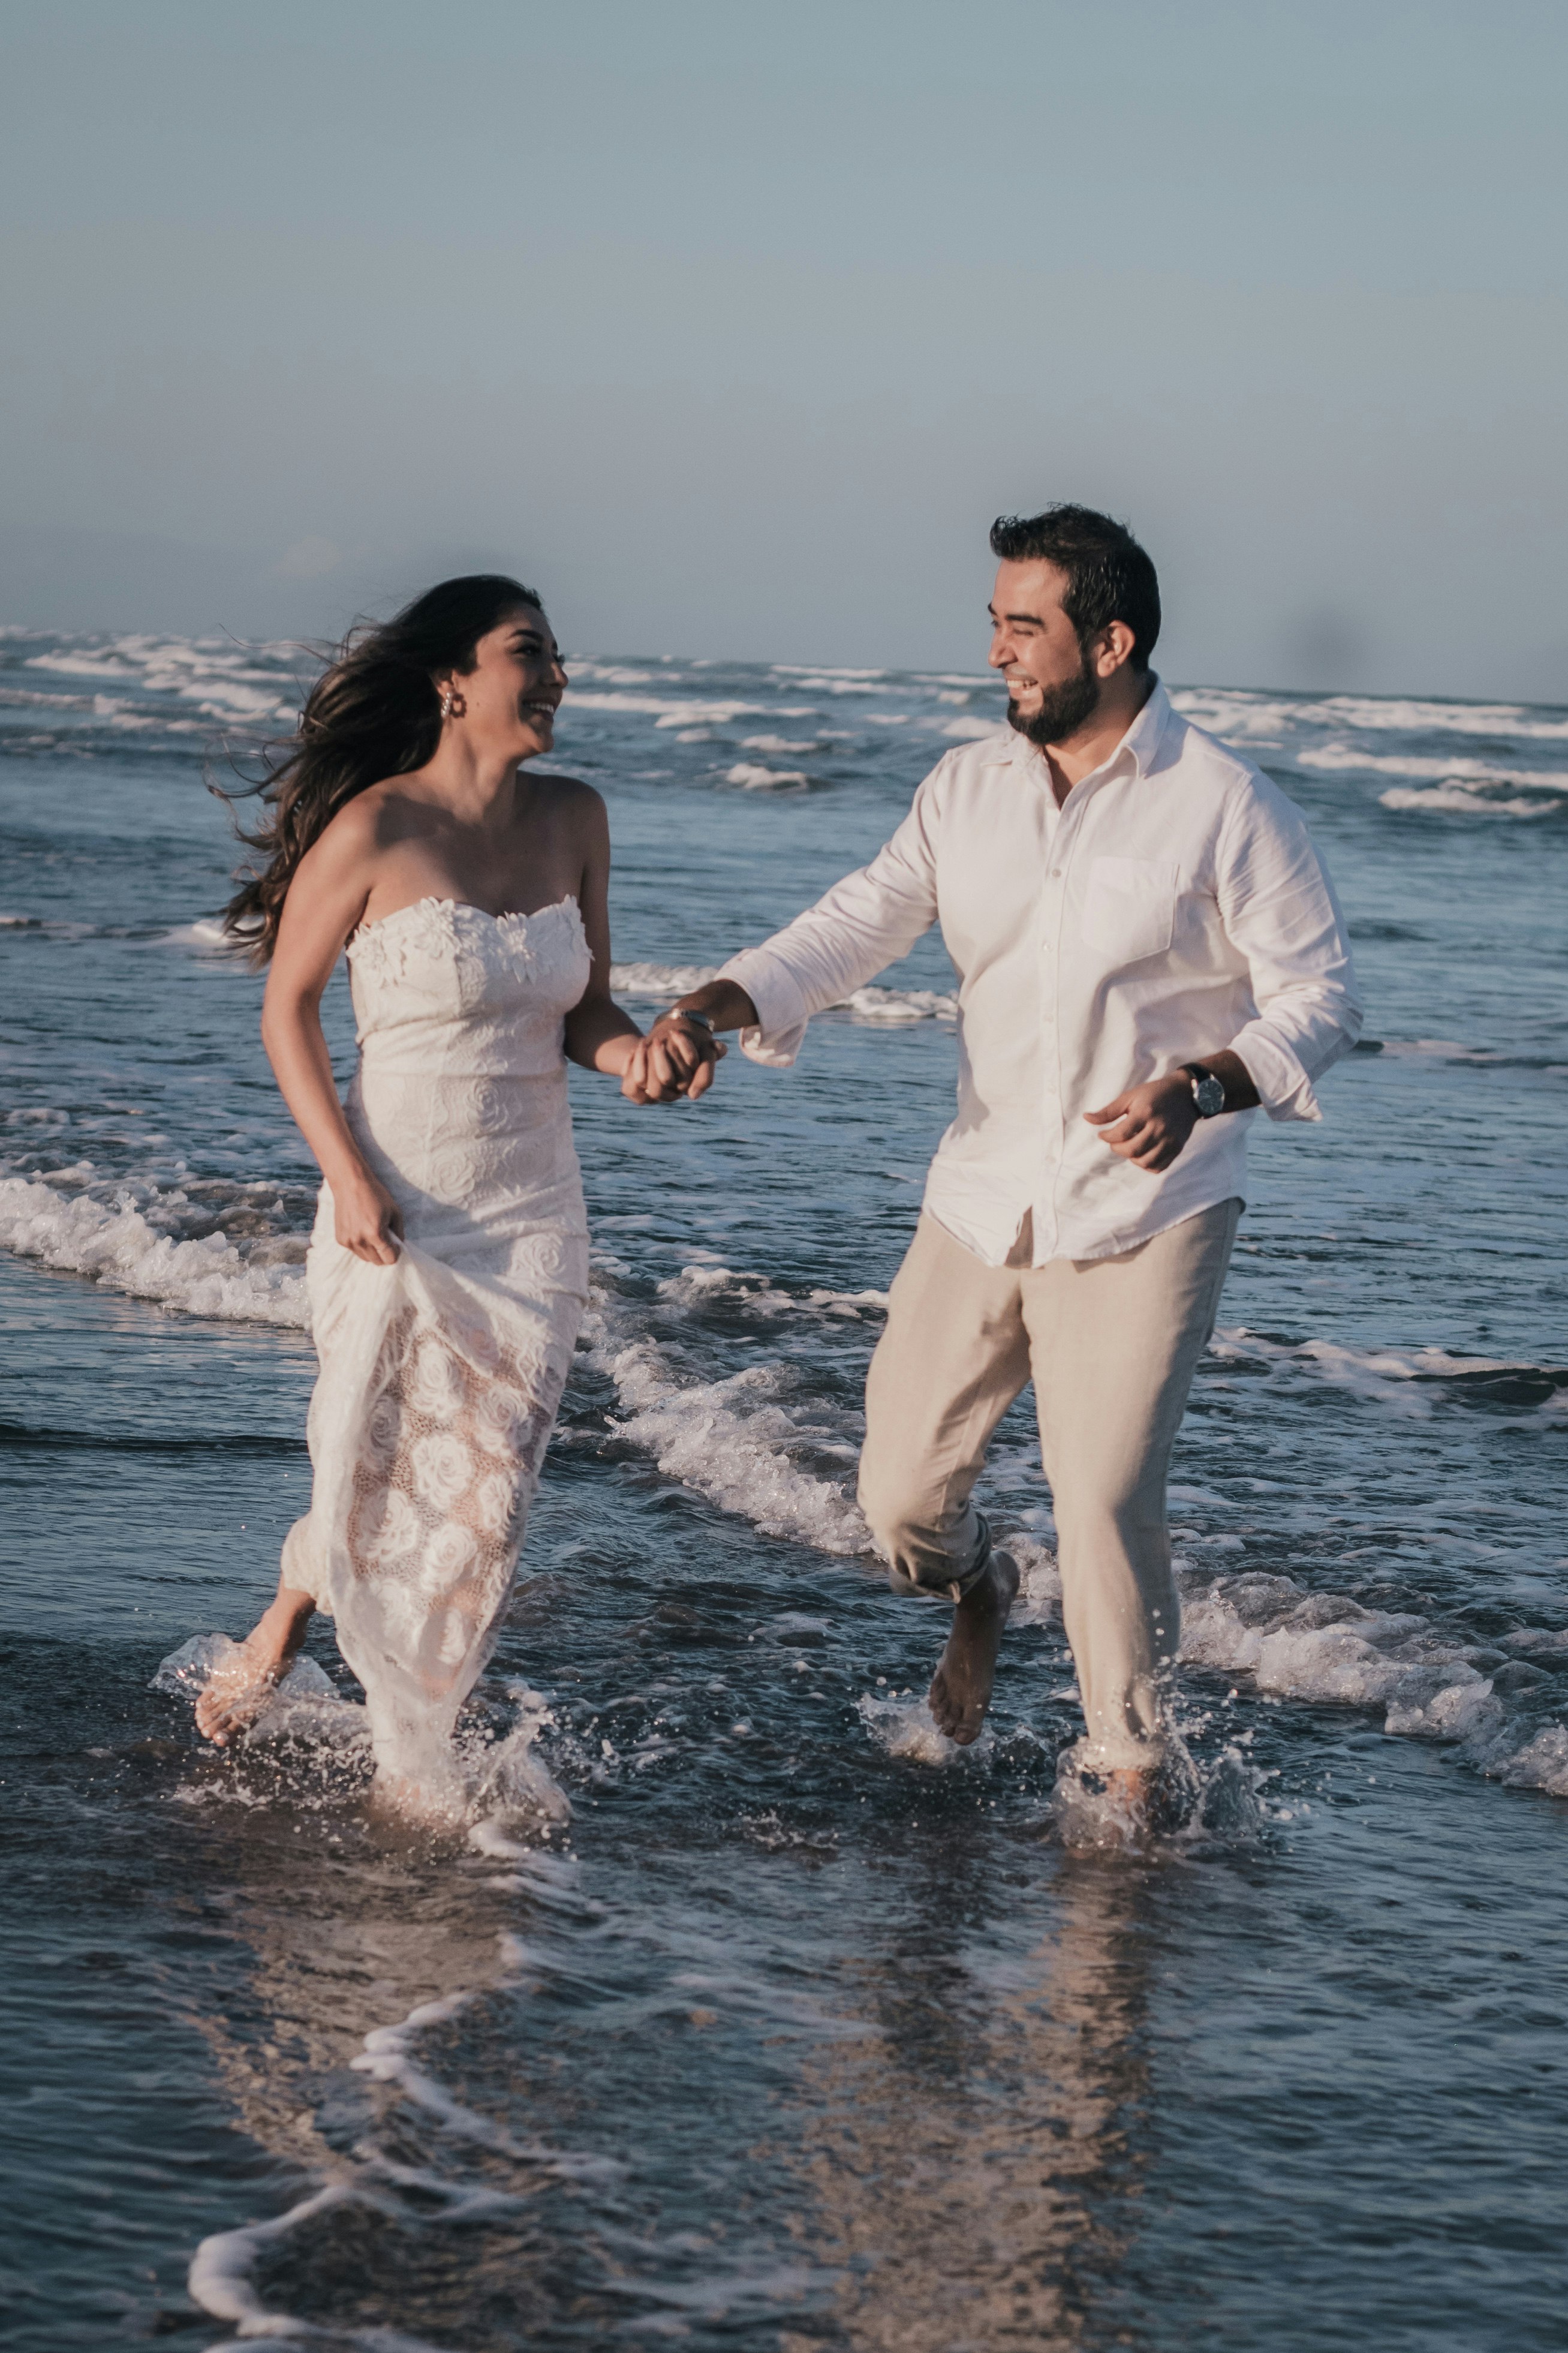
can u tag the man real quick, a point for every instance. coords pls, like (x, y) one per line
(1148, 948)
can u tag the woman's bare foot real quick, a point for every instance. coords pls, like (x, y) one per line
(1155, 1798)
(237, 1690)
(961, 1688)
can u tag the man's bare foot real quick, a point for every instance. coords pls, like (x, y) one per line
(237, 1690)
(961, 1688)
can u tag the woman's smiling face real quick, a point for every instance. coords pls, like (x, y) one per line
(515, 689)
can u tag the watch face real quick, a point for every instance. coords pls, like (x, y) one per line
(1209, 1094)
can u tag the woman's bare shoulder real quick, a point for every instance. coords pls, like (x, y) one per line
(381, 815)
(574, 803)
(365, 826)
(568, 792)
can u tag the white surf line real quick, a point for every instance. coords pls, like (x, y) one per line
(1326, 1647)
(653, 983)
(1408, 1381)
(221, 2271)
(1458, 801)
(756, 1294)
(729, 1440)
(667, 713)
(753, 778)
(120, 1247)
(1458, 770)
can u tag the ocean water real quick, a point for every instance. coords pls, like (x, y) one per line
(752, 2014)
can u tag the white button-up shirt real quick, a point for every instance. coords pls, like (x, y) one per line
(1173, 906)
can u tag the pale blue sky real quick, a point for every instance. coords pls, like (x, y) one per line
(733, 325)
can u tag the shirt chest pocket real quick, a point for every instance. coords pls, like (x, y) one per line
(1130, 907)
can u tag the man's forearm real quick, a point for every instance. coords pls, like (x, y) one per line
(725, 1003)
(867, 921)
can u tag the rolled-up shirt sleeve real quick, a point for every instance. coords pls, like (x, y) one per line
(865, 922)
(1279, 908)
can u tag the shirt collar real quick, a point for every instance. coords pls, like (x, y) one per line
(1142, 738)
(1141, 744)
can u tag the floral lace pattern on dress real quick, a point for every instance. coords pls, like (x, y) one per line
(384, 953)
(452, 1444)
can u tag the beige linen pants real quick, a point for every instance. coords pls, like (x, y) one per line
(1111, 1344)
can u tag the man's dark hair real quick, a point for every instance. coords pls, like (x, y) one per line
(1109, 577)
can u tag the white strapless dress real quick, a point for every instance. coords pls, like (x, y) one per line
(440, 1376)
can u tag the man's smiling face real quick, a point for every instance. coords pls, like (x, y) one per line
(1052, 686)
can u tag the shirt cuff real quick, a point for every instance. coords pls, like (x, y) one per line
(1283, 1087)
(780, 1030)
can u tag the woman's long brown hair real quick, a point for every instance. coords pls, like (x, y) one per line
(374, 712)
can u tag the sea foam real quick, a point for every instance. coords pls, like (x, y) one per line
(120, 1247)
(1461, 801)
(1350, 758)
(753, 778)
(1427, 1681)
(221, 2279)
(734, 1441)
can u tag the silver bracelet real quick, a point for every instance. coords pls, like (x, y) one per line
(685, 1013)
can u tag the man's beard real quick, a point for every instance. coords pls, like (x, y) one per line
(1063, 708)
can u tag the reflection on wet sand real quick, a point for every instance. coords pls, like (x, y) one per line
(977, 2163)
(355, 1929)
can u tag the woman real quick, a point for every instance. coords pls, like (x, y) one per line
(449, 1269)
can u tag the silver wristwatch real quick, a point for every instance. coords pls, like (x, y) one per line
(688, 1013)
(1208, 1092)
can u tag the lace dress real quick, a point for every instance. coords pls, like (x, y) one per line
(440, 1376)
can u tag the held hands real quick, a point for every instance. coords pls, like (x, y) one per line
(676, 1058)
(366, 1219)
(1148, 1125)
